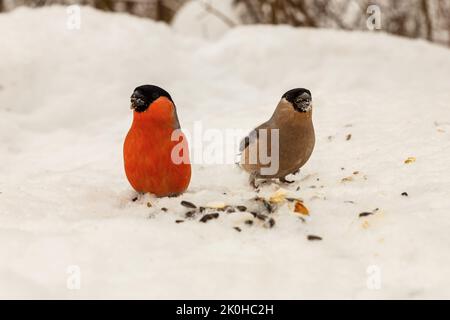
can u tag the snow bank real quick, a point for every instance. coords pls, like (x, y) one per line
(64, 199)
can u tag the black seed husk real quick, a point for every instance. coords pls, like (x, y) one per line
(268, 206)
(188, 204)
(365, 214)
(190, 214)
(261, 217)
(209, 216)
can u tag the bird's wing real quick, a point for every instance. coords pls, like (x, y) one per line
(252, 136)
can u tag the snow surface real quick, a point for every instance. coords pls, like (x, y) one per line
(64, 198)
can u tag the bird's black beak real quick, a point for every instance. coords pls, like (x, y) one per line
(138, 102)
(133, 103)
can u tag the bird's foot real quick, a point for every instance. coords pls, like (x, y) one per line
(137, 196)
(283, 180)
(173, 195)
(252, 181)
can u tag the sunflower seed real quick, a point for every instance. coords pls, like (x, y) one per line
(190, 214)
(314, 238)
(365, 214)
(209, 216)
(271, 223)
(188, 204)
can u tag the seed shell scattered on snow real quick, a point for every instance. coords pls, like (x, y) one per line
(314, 238)
(268, 206)
(365, 214)
(188, 204)
(261, 216)
(279, 196)
(271, 223)
(209, 216)
(216, 205)
(301, 209)
(190, 214)
(410, 160)
(294, 199)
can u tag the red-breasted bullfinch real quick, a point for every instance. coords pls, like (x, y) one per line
(291, 124)
(156, 155)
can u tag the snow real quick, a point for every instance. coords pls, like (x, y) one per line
(65, 201)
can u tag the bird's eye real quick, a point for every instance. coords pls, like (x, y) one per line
(155, 95)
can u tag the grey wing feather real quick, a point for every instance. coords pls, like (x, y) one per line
(252, 136)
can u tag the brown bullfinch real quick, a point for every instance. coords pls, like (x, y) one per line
(151, 163)
(288, 138)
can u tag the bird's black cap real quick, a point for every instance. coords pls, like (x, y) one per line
(143, 96)
(291, 95)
